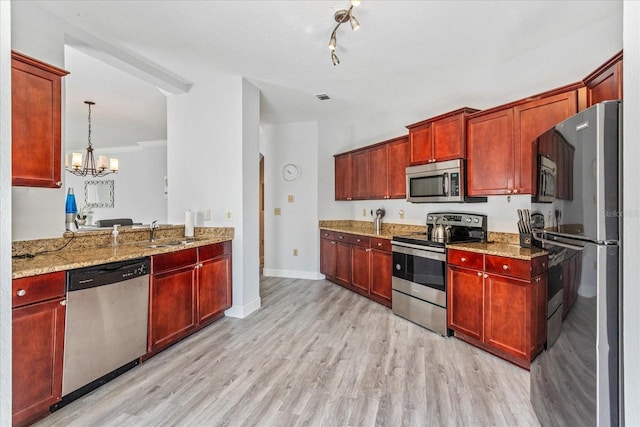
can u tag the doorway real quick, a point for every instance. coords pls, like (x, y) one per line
(261, 214)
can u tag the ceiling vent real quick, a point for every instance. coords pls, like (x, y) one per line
(322, 96)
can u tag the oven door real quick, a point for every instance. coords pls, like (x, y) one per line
(419, 265)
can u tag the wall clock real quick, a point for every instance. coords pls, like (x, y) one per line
(290, 172)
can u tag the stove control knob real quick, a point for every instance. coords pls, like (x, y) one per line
(398, 267)
(430, 218)
(476, 220)
(468, 219)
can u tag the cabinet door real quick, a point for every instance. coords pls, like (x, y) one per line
(448, 138)
(343, 264)
(343, 177)
(360, 269)
(397, 162)
(381, 271)
(465, 301)
(360, 174)
(38, 348)
(328, 258)
(508, 315)
(172, 310)
(378, 172)
(605, 83)
(214, 288)
(490, 165)
(35, 122)
(530, 121)
(420, 141)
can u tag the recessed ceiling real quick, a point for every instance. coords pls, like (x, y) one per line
(414, 58)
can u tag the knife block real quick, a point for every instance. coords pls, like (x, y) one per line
(525, 240)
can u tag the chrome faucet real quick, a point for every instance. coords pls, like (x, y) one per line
(152, 228)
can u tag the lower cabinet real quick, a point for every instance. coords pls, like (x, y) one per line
(498, 303)
(188, 289)
(360, 263)
(38, 322)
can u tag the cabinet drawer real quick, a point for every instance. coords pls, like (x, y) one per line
(508, 267)
(358, 240)
(326, 234)
(380, 244)
(342, 237)
(539, 265)
(28, 290)
(173, 260)
(213, 251)
(465, 259)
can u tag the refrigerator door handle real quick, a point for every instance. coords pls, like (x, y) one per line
(539, 235)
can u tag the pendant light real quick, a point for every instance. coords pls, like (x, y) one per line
(341, 16)
(79, 167)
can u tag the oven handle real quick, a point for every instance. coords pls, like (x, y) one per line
(419, 251)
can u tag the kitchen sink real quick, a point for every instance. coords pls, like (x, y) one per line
(171, 243)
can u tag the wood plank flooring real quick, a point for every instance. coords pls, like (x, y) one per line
(314, 355)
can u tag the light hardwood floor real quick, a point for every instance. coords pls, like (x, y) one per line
(317, 355)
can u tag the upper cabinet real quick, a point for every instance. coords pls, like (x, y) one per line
(439, 138)
(373, 172)
(36, 122)
(605, 83)
(500, 155)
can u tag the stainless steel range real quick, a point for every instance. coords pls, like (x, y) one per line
(420, 263)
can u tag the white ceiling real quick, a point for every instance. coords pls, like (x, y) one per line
(414, 58)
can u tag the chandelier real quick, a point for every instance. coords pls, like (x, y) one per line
(104, 166)
(341, 16)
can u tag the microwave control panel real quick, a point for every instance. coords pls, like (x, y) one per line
(455, 184)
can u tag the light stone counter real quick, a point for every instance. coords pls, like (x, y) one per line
(84, 249)
(508, 250)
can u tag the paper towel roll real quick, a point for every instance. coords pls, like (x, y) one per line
(188, 224)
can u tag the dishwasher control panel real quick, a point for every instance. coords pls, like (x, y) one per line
(106, 274)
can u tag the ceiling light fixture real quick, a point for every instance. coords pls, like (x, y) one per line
(88, 167)
(341, 16)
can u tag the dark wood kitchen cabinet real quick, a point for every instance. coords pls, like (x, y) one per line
(359, 175)
(387, 164)
(188, 290)
(500, 142)
(38, 322)
(605, 83)
(439, 138)
(36, 110)
(343, 176)
(359, 263)
(498, 303)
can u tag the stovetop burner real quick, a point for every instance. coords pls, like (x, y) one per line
(463, 228)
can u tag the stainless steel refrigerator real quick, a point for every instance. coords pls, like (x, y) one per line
(577, 380)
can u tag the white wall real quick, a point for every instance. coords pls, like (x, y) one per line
(5, 213)
(297, 226)
(138, 186)
(39, 35)
(206, 157)
(631, 209)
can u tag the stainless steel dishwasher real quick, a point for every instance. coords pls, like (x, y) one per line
(106, 329)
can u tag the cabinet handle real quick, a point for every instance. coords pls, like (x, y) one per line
(333, 243)
(21, 292)
(398, 267)
(368, 250)
(358, 240)
(59, 183)
(479, 274)
(379, 244)
(463, 259)
(509, 191)
(63, 302)
(340, 237)
(486, 275)
(505, 267)
(515, 191)
(537, 280)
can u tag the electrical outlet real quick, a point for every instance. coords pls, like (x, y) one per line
(364, 212)
(228, 214)
(277, 211)
(207, 214)
(295, 252)
(290, 198)
(401, 214)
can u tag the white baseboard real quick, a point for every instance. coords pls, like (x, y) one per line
(242, 311)
(293, 274)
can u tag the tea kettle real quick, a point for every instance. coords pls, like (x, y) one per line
(440, 232)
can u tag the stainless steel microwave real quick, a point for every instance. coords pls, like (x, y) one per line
(436, 182)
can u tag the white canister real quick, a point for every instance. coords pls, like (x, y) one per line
(188, 224)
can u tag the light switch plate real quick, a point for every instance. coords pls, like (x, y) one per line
(276, 211)
(207, 214)
(290, 198)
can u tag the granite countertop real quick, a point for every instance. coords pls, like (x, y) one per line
(67, 259)
(503, 249)
(359, 231)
